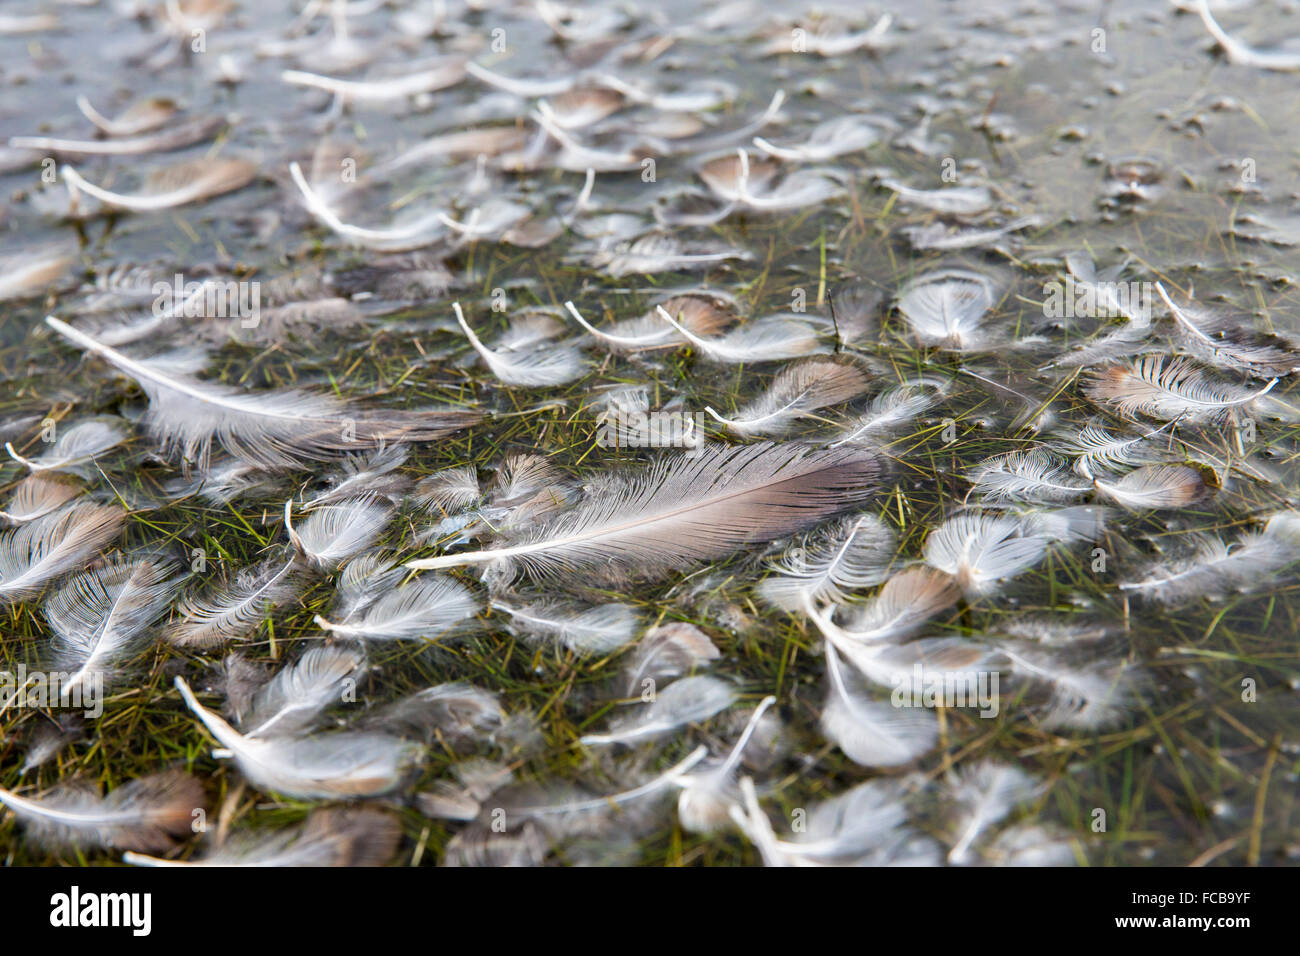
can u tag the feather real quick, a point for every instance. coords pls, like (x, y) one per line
(272, 429)
(956, 201)
(32, 271)
(1218, 568)
(77, 445)
(945, 308)
(659, 253)
(1237, 52)
(150, 813)
(334, 533)
(144, 116)
(685, 701)
(1155, 487)
(411, 234)
(450, 490)
(1067, 525)
(50, 737)
(707, 796)
(235, 609)
(176, 186)
(526, 87)
(1179, 390)
(698, 313)
(39, 495)
(668, 651)
(938, 235)
(984, 795)
(795, 392)
(827, 140)
(338, 765)
(978, 550)
(923, 664)
(1222, 341)
(1093, 697)
(891, 408)
(577, 157)
(872, 733)
(291, 702)
(456, 714)
(334, 836)
(686, 508)
(99, 616)
(177, 137)
(364, 580)
(854, 827)
(577, 811)
(366, 475)
(766, 340)
(580, 108)
(798, 190)
(602, 629)
(445, 73)
(903, 605)
(1094, 447)
(421, 610)
(852, 553)
(533, 368)
(1035, 475)
(1029, 845)
(44, 549)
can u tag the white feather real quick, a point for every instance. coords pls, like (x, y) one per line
(984, 795)
(39, 495)
(945, 308)
(685, 701)
(1218, 568)
(1154, 487)
(796, 392)
(423, 609)
(99, 616)
(340, 765)
(595, 630)
(870, 732)
(1178, 390)
(38, 552)
(852, 553)
(234, 610)
(334, 533)
(334, 836)
(292, 701)
(150, 813)
(272, 429)
(77, 445)
(531, 368)
(979, 550)
(766, 340)
(685, 508)
(1035, 475)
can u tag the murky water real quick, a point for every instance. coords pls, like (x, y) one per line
(964, 205)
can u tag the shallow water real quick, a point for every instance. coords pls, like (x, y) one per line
(1043, 103)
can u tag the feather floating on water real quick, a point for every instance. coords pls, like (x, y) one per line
(150, 813)
(334, 836)
(99, 616)
(423, 609)
(684, 701)
(44, 549)
(797, 391)
(342, 764)
(272, 429)
(683, 509)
